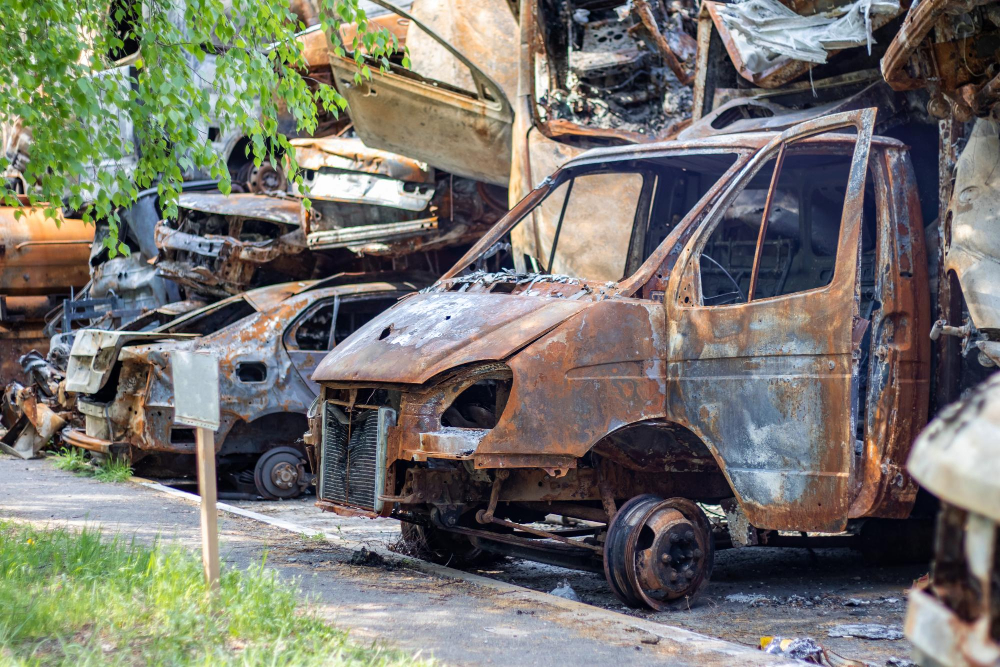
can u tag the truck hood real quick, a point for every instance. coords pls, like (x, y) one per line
(95, 352)
(427, 334)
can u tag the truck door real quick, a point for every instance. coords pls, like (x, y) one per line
(466, 133)
(765, 323)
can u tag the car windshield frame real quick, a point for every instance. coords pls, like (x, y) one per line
(625, 163)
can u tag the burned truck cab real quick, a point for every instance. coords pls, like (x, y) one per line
(740, 321)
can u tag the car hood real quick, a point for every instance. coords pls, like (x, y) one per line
(427, 334)
(95, 352)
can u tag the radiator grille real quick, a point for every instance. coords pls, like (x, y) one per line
(352, 471)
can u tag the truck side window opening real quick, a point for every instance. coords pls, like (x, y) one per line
(798, 251)
(602, 225)
(681, 182)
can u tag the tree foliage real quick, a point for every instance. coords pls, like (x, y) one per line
(119, 95)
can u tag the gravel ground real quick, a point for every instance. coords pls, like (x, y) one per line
(753, 592)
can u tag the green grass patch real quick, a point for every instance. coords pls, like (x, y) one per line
(75, 599)
(110, 469)
(113, 470)
(71, 459)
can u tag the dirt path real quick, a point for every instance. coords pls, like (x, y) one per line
(454, 617)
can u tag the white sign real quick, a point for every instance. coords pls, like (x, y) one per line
(196, 389)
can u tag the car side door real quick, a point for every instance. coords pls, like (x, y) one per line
(466, 133)
(764, 326)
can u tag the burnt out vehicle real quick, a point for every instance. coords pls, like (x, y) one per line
(268, 341)
(748, 326)
(953, 617)
(221, 245)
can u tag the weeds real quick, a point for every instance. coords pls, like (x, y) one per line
(71, 459)
(73, 598)
(111, 469)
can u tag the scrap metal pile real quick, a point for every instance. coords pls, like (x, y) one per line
(753, 248)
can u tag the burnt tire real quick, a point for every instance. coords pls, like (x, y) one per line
(441, 547)
(280, 473)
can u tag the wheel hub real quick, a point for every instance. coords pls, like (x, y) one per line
(280, 473)
(658, 551)
(284, 475)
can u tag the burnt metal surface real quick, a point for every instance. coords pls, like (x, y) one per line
(782, 70)
(948, 47)
(466, 133)
(754, 400)
(42, 261)
(954, 617)
(972, 244)
(219, 243)
(375, 203)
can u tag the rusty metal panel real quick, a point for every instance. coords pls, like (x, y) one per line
(466, 133)
(283, 210)
(899, 362)
(582, 381)
(352, 155)
(41, 255)
(431, 333)
(769, 385)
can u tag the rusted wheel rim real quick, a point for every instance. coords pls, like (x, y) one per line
(658, 551)
(278, 472)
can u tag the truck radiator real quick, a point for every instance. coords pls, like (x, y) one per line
(353, 456)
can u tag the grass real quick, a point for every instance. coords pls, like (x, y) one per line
(75, 599)
(71, 459)
(110, 469)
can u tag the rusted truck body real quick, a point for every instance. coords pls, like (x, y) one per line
(953, 618)
(747, 325)
(268, 341)
(43, 260)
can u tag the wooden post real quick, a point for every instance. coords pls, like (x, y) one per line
(209, 516)
(196, 403)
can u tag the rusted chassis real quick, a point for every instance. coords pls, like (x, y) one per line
(655, 397)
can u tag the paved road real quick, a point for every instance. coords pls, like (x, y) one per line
(456, 619)
(753, 592)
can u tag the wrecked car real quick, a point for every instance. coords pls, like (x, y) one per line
(740, 329)
(375, 203)
(268, 341)
(953, 617)
(222, 245)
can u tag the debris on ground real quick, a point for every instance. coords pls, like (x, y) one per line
(365, 557)
(807, 650)
(564, 590)
(866, 631)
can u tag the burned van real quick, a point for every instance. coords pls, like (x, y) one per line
(738, 320)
